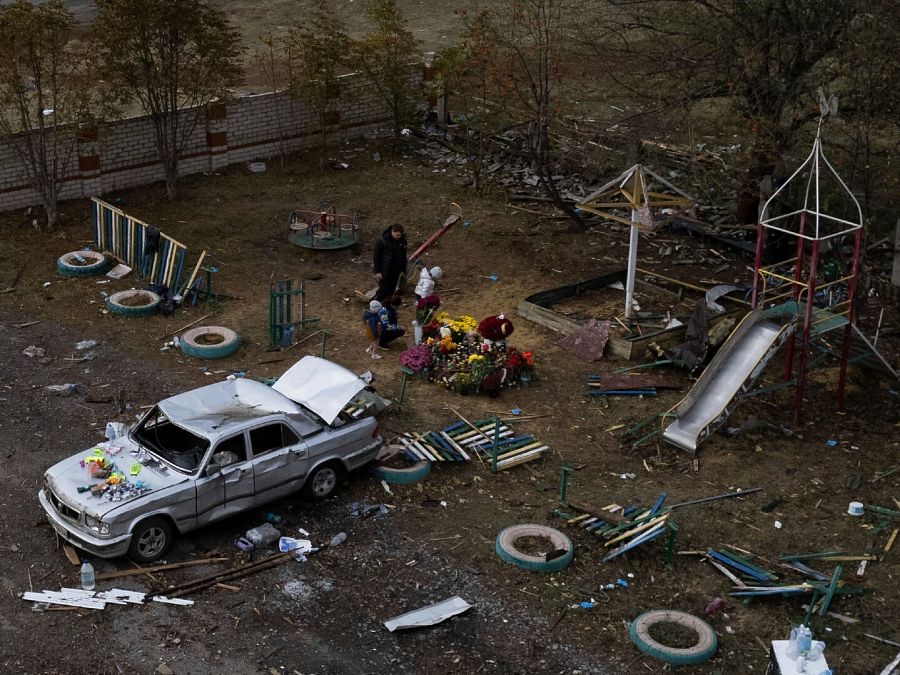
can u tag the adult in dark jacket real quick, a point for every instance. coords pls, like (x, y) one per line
(389, 261)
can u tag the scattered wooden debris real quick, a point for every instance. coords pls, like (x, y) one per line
(158, 568)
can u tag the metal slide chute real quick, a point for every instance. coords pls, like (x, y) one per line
(729, 376)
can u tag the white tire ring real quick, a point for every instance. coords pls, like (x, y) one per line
(506, 548)
(67, 264)
(411, 474)
(701, 652)
(114, 303)
(228, 346)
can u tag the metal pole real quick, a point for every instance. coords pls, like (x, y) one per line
(760, 245)
(495, 449)
(851, 311)
(632, 267)
(564, 483)
(798, 278)
(807, 326)
(324, 343)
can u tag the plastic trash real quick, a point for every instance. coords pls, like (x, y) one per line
(287, 336)
(339, 539)
(286, 544)
(85, 344)
(831, 442)
(115, 430)
(273, 518)
(714, 606)
(65, 389)
(88, 580)
(800, 641)
(263, 535)
(244, 545)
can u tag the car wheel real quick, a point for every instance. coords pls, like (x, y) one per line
(150, 540)
(321, 483)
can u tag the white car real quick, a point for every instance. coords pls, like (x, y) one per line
(212, 452)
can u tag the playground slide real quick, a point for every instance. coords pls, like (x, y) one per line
(728, 377)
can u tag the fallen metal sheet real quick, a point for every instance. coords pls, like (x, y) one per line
(717, 292)
(428, 616)
(589, 341)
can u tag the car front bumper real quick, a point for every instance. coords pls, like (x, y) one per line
(100, 547)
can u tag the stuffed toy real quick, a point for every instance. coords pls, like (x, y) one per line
(495, 328)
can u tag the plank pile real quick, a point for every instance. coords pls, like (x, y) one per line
(627, 526)
(460, 442)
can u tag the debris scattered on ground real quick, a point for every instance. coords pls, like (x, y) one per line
(31, 351)
(76, 597)
(430, 615)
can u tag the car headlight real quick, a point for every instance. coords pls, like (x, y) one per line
(96, 524)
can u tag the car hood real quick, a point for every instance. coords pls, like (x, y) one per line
(320, 385)
(65, 477)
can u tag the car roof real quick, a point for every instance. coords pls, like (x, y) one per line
(221, 408)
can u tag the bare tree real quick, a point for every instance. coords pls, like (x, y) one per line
(173, 57)
(322, 49)
(388, 55)
(274, 57)
(44, 93)
(526, 41)
(765, 57)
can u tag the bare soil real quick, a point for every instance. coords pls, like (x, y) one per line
(325, 615)
(136, 300)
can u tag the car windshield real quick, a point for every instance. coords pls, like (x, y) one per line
(176, 446)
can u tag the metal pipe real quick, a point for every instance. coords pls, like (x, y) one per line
(760, 245)
(807, 325)
(848, 329)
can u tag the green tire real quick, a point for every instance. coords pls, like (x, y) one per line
(507, 551)
(413, 474)
(115, 303)
(67, 264)
(701, 652)
(193, 345)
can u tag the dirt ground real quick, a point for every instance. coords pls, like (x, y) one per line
(325, 615)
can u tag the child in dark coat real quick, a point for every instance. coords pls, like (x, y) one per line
(389, 329)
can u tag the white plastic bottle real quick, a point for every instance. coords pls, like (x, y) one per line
(87, 576)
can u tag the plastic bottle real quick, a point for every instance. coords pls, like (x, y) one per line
(339, 539)
(88, 580)
(264, 535)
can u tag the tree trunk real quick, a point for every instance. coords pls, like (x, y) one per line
(761, 164)
(171, 168)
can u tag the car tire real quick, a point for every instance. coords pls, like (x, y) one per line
(411, 474)
(193, 345)
(117, 303)
(701, 652)
(150, 540)
(507, 551)
(67, 264)
(322, 482)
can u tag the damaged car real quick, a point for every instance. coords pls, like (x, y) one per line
(213, 452)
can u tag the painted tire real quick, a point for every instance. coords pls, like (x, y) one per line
(701, 652)
(412, 474)
(67, 264)
(506, 548)
(115, 303)
(191, 345)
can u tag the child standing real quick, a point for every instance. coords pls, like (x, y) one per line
(373, 327)
(427, 277)
(389, 329)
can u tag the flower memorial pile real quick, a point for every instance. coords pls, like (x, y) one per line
(467, 356)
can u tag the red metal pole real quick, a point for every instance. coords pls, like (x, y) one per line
(798, 278)
(760, 245)
(807, 326)
(851, 307)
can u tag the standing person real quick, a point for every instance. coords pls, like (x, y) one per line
(373, 327)
(389, 261)
(427, 277)
(390, 328)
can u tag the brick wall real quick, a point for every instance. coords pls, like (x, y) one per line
(122, 154)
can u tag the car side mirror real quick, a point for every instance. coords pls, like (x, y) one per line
(212, 469)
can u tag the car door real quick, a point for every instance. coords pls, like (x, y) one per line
(280, 461)
(238, 474)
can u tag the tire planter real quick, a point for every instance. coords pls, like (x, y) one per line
(210, 342)
(415, 472)
(506, 548)
(701, 652)
(69, 266)
(123, 303)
